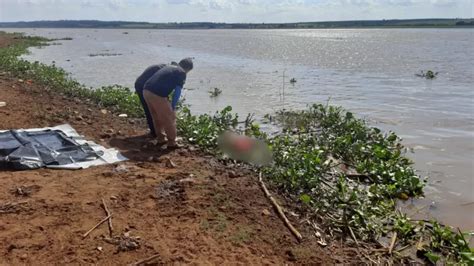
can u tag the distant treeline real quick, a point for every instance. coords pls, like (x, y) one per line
(394, 23)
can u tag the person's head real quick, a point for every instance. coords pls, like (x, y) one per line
(186, 64)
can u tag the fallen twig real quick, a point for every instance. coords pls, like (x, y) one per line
(11, 207)
(97, 225)
(403, 248)
(107, 212)
(16, 203)
(279, 210)
(354, 237)
(392, 243)
(368, 257)
(145, 260)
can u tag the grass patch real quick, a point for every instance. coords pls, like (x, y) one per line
(346, 175)
(301, 253)
(205, 225)
(241, 236)
(217, 221)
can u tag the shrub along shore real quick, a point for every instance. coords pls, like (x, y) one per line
(344, 175)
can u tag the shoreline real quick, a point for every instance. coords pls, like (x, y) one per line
(129, 104)
(207, 211)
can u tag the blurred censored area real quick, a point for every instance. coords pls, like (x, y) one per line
(243, 148)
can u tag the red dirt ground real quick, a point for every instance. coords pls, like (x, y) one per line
(201, 212)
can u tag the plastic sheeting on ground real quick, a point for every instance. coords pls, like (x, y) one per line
(53, 147)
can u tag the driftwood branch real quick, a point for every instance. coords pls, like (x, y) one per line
(145, 260)
(107, 212)
(97, 225)
(392, 243)
(279, 210)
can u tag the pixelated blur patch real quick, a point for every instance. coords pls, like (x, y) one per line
(246, 149)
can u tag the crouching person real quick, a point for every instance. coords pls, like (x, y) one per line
(166, 81)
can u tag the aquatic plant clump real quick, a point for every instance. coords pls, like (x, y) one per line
(342, 138)
(350, 175)
(215, 92)
(346, 175)
(104, 54)
(204, 130)
(430, 74)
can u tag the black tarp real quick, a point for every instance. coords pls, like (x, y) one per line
(22, 150)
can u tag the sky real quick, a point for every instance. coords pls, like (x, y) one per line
(244, 11)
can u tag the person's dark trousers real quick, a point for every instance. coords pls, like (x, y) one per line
(149, 119)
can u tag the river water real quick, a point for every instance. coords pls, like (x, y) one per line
(368, 71)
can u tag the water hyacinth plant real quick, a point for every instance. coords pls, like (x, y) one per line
(215, 92)
(204, 130)
(430, 74)
(345, 175)
(350, 176)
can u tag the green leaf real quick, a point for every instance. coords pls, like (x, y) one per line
(392, 137)
(306, 199)
(432, 257)
(468, 256)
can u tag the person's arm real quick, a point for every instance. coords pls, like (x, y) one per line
(176, 95)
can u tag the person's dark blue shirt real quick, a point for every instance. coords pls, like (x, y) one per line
(167, 80)
(146, 75)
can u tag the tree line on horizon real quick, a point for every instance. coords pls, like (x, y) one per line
(456, 22)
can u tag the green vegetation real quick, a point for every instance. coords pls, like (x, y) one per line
(216, 221)
(427, 75)
(62, 39)
(465, 23)
(346, 175)
(204, 130)
(242, 235)
(391, 23)
(350, 176)
(215, 92)
(300, 253)
(104, 54)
